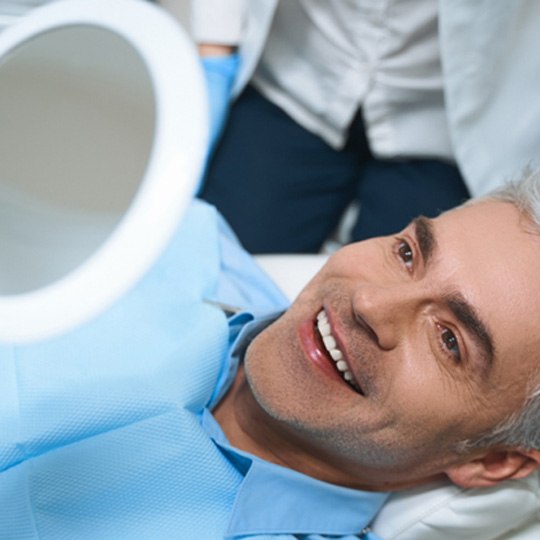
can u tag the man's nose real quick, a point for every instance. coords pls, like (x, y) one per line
(387, 312)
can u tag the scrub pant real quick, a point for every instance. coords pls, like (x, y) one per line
(284, 190)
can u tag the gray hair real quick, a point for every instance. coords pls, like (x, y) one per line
(522, 429)
(523, 193)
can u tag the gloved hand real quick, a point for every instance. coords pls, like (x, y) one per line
(220, 72)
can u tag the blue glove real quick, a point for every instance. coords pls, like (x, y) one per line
(220, 72)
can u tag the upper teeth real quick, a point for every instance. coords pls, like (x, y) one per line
(331, 346)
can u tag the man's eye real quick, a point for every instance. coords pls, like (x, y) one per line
(405, 253)
(450, 343)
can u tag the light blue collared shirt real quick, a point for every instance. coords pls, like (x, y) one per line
(100, 428)
(275, 500)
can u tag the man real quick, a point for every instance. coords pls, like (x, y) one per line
(407, 358)
(436, 328)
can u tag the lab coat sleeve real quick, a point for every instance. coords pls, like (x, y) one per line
(218, 21)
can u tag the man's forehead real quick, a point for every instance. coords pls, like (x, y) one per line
(484, 212)
(500, 257)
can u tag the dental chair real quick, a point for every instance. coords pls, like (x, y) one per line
(89, 94)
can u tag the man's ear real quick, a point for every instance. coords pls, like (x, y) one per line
(494, 467)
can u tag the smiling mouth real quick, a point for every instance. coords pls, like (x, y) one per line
(336, 356)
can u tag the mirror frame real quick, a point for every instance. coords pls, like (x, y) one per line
(175, 164)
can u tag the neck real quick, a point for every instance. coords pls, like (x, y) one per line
(249, 428)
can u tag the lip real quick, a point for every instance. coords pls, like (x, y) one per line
(316, 354)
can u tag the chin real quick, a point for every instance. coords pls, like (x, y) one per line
(264, 390)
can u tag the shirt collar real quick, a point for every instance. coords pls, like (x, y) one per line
(273, 499)
(276, 500)
(243, 328)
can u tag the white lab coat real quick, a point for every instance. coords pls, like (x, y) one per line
(491, 69)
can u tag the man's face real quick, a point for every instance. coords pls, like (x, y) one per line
(437, 328)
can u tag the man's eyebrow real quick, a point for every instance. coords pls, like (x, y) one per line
(466, 314)
(455, 302)
(425, 236)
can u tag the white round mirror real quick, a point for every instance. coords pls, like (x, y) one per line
(78, 117)
(102, 137)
